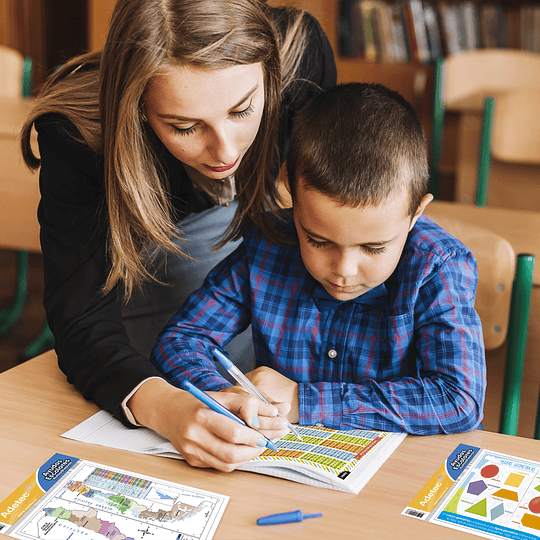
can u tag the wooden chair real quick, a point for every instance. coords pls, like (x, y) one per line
(18, 206)
(469, 81)
(508, 131)
(462, 83)
(516, 126)
(502, 302)
(16, 72)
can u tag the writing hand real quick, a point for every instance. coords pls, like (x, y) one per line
(203, 437)
(278, 388)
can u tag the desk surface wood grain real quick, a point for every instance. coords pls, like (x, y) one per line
(37, 404)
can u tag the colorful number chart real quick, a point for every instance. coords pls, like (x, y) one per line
(485, 493)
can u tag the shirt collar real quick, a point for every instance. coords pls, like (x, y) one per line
(375, 298)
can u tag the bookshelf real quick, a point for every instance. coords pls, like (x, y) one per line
(414, 79)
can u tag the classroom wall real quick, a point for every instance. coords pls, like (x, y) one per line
(99, 14)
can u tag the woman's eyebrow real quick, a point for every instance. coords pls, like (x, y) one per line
(249, 94)
(185, 119)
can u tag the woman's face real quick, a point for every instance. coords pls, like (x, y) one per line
(207, 118)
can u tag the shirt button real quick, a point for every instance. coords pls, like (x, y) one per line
(332, 353)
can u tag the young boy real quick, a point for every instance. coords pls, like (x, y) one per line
(366, 318)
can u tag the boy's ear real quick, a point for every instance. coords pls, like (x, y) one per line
(284, 189)
(285, 179)
(426, 199)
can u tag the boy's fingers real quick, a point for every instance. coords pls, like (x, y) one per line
(274, 423)
(283, 407)
(257, 415)
(248, 407)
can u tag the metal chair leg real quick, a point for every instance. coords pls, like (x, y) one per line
(517, 341)
(42, 343)
(10, 315)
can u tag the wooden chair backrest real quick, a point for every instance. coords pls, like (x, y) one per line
(19, 189)
(496, 268)
(11, 72)
(471, 76)
(516, 127)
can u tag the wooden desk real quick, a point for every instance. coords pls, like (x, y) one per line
(37, 405)
(19, 187)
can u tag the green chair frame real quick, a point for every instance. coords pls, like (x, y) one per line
(522, 287)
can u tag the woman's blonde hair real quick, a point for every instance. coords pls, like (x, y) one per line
(102, 94)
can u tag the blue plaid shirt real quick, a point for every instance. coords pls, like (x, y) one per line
(405, 356)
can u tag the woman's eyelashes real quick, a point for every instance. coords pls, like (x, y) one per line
(244, 113)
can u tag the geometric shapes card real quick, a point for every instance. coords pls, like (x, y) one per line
(534, 505)
(533, 522)
(477, 487)
(497, 511)
(489, 471)
(506, 494)
(514, 480)
(452, 505)
(480, 508)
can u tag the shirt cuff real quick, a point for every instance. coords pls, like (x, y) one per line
(320, 403)
(125, 408)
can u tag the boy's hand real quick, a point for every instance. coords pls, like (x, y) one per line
(278, 388)
(258, 414)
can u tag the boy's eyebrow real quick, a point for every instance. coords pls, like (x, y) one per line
(378, 243)
(185, 119)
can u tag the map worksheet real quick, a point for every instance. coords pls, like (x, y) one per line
(68, 498)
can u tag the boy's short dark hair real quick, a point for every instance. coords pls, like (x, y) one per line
(354, 141)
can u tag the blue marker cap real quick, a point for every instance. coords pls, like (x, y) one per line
(285, 517)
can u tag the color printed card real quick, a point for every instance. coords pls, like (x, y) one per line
(68, 498)
(484, 493)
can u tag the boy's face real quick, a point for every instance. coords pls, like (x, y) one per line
(351, 250)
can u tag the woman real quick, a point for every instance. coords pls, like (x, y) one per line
(151, 152)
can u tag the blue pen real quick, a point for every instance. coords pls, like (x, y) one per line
(219, 408)
(247, 384)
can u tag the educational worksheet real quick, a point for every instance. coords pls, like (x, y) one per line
(342, 460)
(334, 459)
(484, 493)
(75, 499)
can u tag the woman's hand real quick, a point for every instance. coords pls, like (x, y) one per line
(278, 388)
(203, 437)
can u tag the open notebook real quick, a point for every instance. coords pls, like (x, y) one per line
(341, 460)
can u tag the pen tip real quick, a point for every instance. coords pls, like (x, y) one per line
(272, 446)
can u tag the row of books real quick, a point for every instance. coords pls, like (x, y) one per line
(422, 31)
